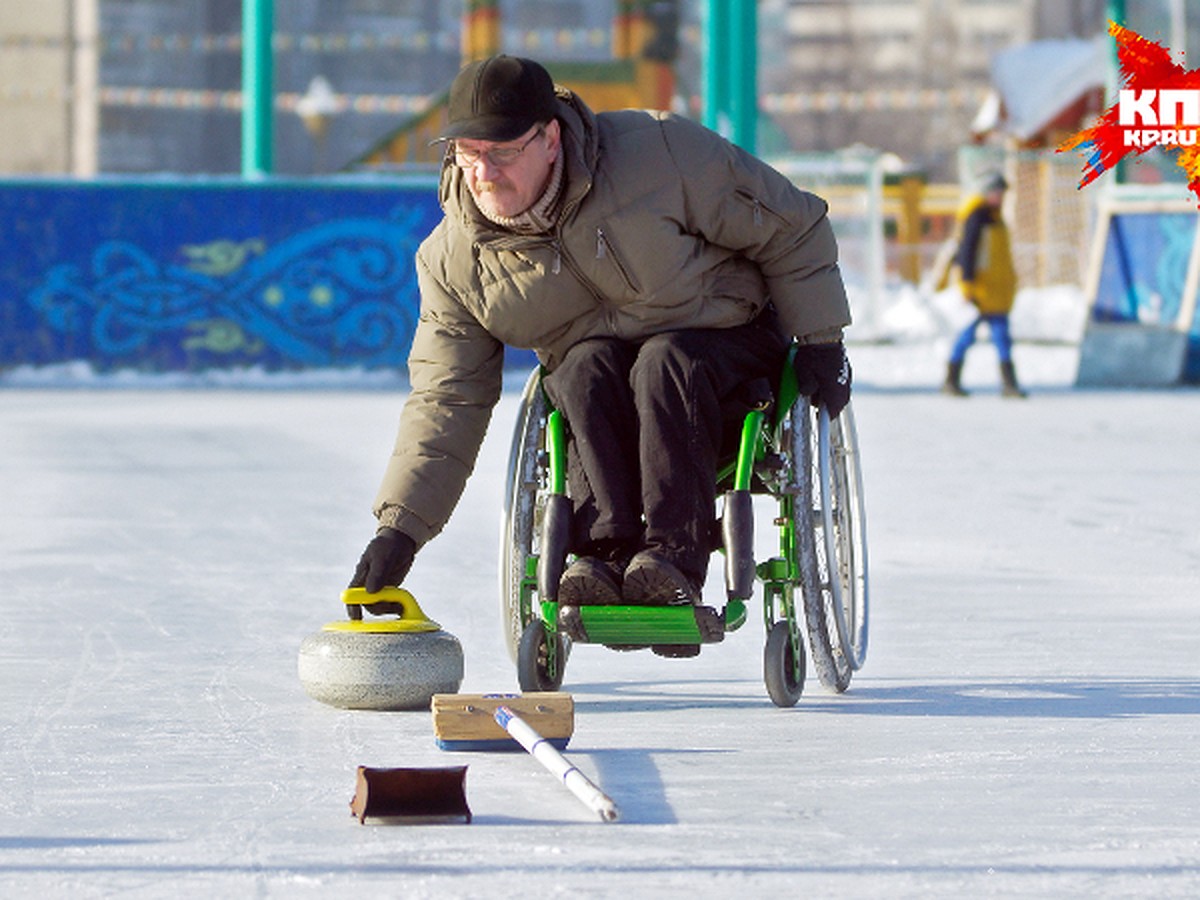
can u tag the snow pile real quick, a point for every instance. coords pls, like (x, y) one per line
(1054, 315)
(906, 343)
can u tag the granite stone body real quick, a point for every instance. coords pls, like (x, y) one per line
(384, 671)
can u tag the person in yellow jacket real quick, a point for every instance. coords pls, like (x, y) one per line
(988, 280)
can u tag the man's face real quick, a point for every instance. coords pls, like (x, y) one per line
(510, 188)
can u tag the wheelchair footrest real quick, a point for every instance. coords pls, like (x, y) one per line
(646, 625)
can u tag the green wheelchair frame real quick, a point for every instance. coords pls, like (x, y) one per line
(816, 585)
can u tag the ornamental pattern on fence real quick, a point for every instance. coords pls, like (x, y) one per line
(190, 276)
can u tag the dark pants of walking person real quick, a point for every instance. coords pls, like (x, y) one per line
(997, 324)
(647, 423)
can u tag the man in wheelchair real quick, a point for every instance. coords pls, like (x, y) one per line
(657, 270)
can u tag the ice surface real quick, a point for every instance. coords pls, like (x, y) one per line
(1026, 723)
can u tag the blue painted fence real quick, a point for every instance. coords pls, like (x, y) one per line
(184, 275)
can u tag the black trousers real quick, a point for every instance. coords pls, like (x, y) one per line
(647, 423)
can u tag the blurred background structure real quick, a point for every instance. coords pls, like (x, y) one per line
(888, 108)
(119, 86)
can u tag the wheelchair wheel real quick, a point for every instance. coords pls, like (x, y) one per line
(830, 541)
(519, 528)
(537, 668)
(844, 522)
(783, 665)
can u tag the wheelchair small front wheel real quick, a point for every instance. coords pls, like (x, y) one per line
(537, 668)
(783, 666)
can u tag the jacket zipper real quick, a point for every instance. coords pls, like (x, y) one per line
(601, 300)
(560, 257)
(604, 250)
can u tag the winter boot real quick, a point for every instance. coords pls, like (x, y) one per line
(591, 582)
(653, 580)
(953, 383)
(1008, 380)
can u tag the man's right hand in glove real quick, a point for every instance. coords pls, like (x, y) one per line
(385, 562)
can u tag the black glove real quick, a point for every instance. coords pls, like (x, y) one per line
(385, 562)
(823, 373)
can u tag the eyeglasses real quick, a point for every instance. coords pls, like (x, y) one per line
(466, 157)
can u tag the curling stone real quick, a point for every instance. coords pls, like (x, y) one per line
(384, 663)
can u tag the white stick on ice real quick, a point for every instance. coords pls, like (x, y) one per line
(546, 753)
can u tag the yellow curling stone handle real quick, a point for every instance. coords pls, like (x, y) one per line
(412, 618)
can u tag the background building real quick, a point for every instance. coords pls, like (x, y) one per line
(158, 83)
(154, 85)
(47, 87)
(906, 76)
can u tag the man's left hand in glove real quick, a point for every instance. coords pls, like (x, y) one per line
(823, 373)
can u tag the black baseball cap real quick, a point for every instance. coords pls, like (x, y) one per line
(499, 99)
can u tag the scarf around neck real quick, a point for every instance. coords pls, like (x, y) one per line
(539, 218)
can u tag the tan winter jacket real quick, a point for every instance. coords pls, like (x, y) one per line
(983, 265)
(663, 226)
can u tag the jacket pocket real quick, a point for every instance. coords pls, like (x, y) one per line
(759, 211)
(606, 250)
